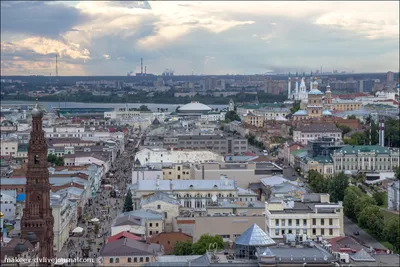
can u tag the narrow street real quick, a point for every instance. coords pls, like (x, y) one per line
(104, 208)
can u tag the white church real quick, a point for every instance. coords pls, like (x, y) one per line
(300, 92)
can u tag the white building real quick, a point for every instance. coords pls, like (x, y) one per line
(160, 155)
(8, 147)
(193, 195)
(213, 116)
(127, 113)
(8, 203)
(305, 133)
(314, 216)
(394, 196)
(65, 218)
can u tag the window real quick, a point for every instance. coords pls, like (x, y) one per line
(276, 231)
(151, 225)
(151, 232)
(129, 259)
(156, 224)
(179, 176)
(330, 221)
(276, 222)
(116, 260)
(330, 231)
(111, 260)
(290, 222)
(158, 207)
(134, 259)
(147, 259)
(179, 168)
(304, 222)
(304, 231)
(297, 222)
(141, 259)
(314, 221)
(322, 222)
(322, 231)
(169, 242)
(314, 231)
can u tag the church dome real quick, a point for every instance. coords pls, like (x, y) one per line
(37, 111)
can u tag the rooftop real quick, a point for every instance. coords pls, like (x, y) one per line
(366, 149)
(129, 247)
(185, 185)
(254, 236)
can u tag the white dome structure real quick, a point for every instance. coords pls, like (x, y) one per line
(194, 107)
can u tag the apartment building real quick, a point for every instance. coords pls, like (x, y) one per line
(304, 133)
(365, 158)
(314, 216)
(8, 200)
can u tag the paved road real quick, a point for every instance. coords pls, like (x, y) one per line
(105, 209)
(350, 228)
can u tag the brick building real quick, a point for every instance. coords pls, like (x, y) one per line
(168, 240)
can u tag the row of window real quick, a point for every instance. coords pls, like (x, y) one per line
(297, 231)
(6, 202)
(297, 221)
(13, 148)
(131, 259)
(367, 159)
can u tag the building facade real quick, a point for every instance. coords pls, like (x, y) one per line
(313, 216)
(304, 133)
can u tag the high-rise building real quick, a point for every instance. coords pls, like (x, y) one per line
(390, 76)
(37, 216)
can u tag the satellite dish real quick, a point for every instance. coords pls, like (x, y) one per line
(214, 198)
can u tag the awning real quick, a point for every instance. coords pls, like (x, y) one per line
(78, 230)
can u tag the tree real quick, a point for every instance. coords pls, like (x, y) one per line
(392, 232)
(363, 202)
(128, 204)
(177, 108)
(397, 173)
(57, 161)
(183, 248)
(337, 186)
(200, 247)
(351, 117)
(371, 218)
(379, 198)
(144, 108)
(349, 201)
(96, 228)
(345, 129)
(231, 116)
(296, 107)
(317, 182)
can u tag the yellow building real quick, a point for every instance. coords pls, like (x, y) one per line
(255, 120)
(176, 172)
(346, 104)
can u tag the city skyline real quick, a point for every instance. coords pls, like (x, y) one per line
(109, 38)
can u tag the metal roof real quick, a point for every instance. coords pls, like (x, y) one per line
(362, 255)
(195, 106)
(254, 236)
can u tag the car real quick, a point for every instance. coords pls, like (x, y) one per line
(356, 233)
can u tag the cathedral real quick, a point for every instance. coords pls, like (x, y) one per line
(313, 103)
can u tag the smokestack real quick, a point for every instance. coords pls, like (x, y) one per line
(141, 66)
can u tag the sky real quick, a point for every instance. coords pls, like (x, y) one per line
(199, 37)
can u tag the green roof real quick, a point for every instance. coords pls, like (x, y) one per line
(261, 105)
(323, 159)
(298, 152)
(358, 149)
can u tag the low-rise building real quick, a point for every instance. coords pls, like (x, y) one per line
(255, 120)
(304, 133)
(321, 164)
(313, 216)
(8, 147)
(164, 204)
(8, 201)
(365, 158)
(168, 240)
(129, 252)
(143, 223)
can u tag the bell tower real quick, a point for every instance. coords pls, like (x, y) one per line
(37, 216)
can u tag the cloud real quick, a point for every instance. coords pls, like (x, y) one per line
(39, 18)
(110, 37)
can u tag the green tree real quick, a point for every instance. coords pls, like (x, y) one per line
(296, 107)
(362, 203)
(54, 160)
(144, 108)
(183, 248)
(350, 199)
(96, 228)
(371, 218)
(128, 204)
(317, 182)
(379, 198)
(392, 132)
(337, 186)
(345, 129)
(392, 232)
(351, 117)
(231, 116)
(200, 247)
(397, 173)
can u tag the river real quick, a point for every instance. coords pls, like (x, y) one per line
(151, 106)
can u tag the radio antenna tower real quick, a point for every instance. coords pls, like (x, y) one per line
(56, 65)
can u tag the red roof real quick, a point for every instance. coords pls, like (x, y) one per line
(123, 235)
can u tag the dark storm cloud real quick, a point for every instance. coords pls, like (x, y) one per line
(39, 18)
